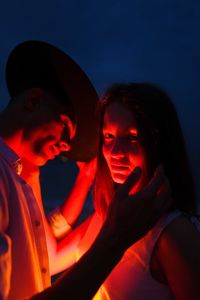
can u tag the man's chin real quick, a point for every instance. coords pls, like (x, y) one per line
(40, 161)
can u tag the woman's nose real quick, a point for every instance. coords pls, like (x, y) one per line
(118, 149)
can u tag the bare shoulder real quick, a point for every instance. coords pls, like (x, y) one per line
(181, 233)
(178, 254)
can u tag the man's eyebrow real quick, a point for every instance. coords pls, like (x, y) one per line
(134, 131)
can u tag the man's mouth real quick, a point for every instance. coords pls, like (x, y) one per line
(55, 150)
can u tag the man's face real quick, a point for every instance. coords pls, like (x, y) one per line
(48, 133)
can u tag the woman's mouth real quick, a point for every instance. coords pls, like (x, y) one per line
(119, 167)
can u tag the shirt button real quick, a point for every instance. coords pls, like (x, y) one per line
(44, 270)
(37, 223)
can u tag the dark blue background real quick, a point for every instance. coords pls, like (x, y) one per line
(151, 40)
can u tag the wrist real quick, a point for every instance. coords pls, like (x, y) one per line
(109, 242)
(86, 178)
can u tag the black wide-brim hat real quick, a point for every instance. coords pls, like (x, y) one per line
(39, 64)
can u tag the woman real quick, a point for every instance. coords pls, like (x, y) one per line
(139, 127)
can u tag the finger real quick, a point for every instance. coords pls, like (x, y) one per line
(154, 185)
(157, 180)
(154, 205)
(147, 196)
(161, 204)
(164, 195)
(131, 181)
(165, 188)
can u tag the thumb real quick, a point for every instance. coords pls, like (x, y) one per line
(131, 181)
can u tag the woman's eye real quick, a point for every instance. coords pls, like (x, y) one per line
(107, 137)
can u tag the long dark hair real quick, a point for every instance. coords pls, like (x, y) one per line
(161, 137)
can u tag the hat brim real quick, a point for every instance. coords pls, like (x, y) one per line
(40, 64)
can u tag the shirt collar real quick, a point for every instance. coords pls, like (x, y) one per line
(11, 157)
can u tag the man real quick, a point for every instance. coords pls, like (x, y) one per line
(52, 111)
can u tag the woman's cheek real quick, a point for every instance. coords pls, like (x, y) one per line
(105, 151)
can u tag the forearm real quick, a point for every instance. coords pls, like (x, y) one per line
(67, 248)
(83, 280)
(73, 204)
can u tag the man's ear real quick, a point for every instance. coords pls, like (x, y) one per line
(33, 99)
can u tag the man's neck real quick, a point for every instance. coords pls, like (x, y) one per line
(10, 131)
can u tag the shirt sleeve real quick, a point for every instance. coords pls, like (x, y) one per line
(5, 243)
(58, 224)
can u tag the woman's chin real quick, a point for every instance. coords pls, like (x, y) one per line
(119, 178)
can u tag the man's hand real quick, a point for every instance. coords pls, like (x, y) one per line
(87, 169)
(130, 217)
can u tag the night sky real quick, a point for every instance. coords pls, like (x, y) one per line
(136, 40)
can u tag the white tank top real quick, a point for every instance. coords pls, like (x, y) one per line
(131, 278)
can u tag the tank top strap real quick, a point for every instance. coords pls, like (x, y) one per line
(194, 219)
(144, 248)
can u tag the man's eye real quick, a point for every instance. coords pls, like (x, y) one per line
(132, 137)
(64, 124)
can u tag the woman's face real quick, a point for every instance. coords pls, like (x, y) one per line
(121, 147)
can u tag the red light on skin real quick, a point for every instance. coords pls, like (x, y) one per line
(121, 147)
